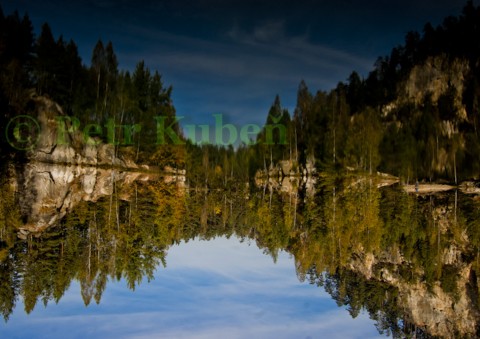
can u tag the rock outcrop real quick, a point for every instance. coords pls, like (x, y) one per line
(435, 77)
(61, 142)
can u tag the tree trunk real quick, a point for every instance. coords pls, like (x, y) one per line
(455, 166)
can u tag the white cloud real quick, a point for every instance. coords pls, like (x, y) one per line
(270, 31)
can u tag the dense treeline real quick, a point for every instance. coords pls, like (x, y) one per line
(52, 67)
(372, 124)
(365, 124)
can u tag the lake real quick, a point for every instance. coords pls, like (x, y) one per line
(95, 252)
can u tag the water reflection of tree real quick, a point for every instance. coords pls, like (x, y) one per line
(347, 238)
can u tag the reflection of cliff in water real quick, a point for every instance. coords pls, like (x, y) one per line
(410, 261)
(47, 192)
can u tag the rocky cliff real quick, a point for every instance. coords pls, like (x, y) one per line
(61, 142)
(438, 76)
(434, 78)
(430, 104)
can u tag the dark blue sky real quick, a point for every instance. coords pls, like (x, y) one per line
(233, 57)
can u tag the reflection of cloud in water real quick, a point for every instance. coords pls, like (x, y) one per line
(216, 289)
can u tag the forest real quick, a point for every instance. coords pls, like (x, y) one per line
(388, 122)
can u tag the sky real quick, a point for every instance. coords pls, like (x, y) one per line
(233, 57)
(221, 288)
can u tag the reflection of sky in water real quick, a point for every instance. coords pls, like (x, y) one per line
(216, 289)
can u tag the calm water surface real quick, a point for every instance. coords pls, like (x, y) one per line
(102, 253)
(210, 289)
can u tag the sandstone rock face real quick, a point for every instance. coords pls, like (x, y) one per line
(434, 78)
(439, 78)
(61, 142)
